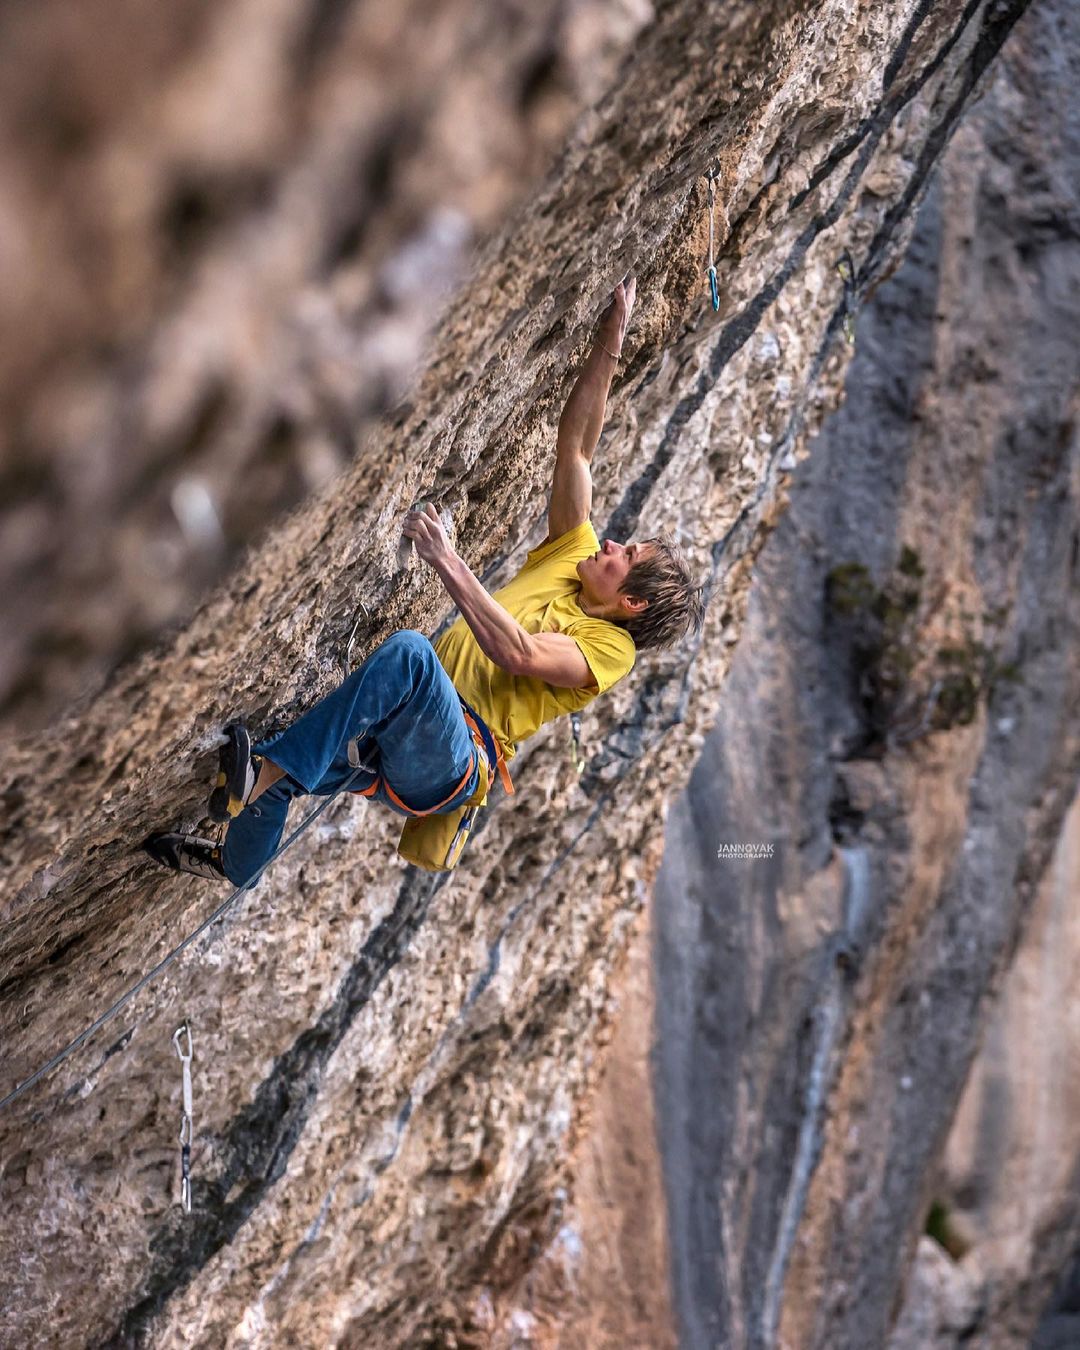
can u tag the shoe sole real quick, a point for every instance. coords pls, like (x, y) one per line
(164, 854)
(151, 846)
(227, 798)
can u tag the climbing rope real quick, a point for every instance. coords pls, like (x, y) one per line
(125, 998)
(714, 287)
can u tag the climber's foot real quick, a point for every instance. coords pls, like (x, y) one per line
(186, 853)
(238, 772)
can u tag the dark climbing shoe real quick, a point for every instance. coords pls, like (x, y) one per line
(238, 769)
(186, 853)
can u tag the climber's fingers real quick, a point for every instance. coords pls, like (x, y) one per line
(412, 528)
(425, 527)
(418, 520)
(617, 313)
(625, 294)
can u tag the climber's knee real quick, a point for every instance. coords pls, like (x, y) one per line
(407, 639)
(412, 637)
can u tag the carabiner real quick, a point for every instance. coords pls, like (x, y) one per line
(577, 759)
(346, 660)
(187, 1128)
(182, 1030)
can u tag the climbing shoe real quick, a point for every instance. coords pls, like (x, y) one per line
(238, 770)
(186, 853)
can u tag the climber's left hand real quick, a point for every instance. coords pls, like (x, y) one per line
(426, 530)
(614, 319)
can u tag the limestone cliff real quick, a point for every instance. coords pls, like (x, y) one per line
(390, 1069)
(901, 723)
(999, 1256)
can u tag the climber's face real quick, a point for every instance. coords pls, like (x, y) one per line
(603, 574)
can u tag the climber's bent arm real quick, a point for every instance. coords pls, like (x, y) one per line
(552, 657)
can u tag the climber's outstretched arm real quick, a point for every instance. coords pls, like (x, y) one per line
(583, 417)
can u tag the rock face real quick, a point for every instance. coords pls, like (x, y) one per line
(602, 1280)
(1007, 1207)
(901, 723)
(390, 1069)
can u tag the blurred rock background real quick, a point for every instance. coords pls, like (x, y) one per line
(226, 232)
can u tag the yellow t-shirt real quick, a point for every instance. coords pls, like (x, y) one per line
(543, 598)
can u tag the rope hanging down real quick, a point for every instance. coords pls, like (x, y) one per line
(125, 998)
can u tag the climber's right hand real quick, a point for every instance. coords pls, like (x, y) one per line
(425, 529)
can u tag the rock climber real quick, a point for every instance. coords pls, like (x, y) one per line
(430, 726)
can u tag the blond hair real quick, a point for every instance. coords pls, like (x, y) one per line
(676, 601)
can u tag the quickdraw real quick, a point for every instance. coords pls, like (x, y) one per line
(346, 658)
(186, 1123)
(714, 287)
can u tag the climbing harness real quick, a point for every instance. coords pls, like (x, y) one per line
(490, 746)
(167, 960)
(713, 285)
(484, 743)
(846, 268)
(373, 787)
(185, 1118)
(577, 759)
(435, 841)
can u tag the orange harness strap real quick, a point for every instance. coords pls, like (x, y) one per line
(372, 788)
(478, 740)
(431, 809)
(500, 759)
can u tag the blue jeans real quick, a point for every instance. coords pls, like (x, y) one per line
(401, 699)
